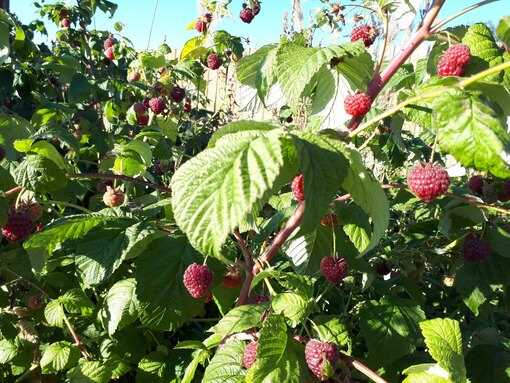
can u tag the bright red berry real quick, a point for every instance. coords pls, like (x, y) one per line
(201, 26)
(364, 32)
(133, 76)
(18, 227)
(298, 188)
(475, 249)
(110, 53)
(109, 42)
(213, 61)
(197, 280)
(113, 197)
(428, 181)
(250, 354)
(334, 269)
(358, 104)
(454, 60)
(139, 108)
(475, 184)
(177, 94)
(157, 105)
(65, 23)
(316, 353)
(246, 15)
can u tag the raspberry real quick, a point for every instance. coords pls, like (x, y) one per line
(246, 15)
(139, 108)
(157, 104)
(177, 94)
(109, 42)
(113, 197)
(453, 61)
(298, 188)
(504, 192)
(256, 9)
(334, 269)
(475, 249)
(208, 17)
(197, 280)
(134, 76)
(18, 227)
(250, 354)
(201, 26)
(33, 209)
(365, 33)
(110, 53)
(65, 23)
(258, 299)
(2, 153)
(383, 268)
(213, 61)
(233, 278)
(428, 181)
(187, 105)
(329, 220)
(476, 184)
(34, 303)
(358, 104)
(142, 119)
(316, 353)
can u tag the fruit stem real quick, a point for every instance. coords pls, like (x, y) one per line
(13, 191)
(361, 367)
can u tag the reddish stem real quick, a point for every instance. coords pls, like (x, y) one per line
(248, 265)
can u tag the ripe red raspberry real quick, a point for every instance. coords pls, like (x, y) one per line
(250, 354)
(428, 181)
(476, 184)
(213, 61)
(334, 269)
(234, 277)
(197, 280)
(475, 249)
(113, 197)
(139, 108)
(18, 227)
(177, 94)
(134, 76)
(298, 188)
(143, 119)
(109, 42)
(358, 104)
(454, 61)
(110, 53)
(65, 23)
(364, 32)
(246, 15)
(157, 104)
(316, 353)
(201, 26)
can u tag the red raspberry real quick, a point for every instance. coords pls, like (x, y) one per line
(139, 108)
(201, 26)
(33, 209)
(113, 197)
(157, 104)
(65, 23)
(187, 105)
(298, 188)
(316, 353)
(428, 181)
(246, 15)
(18, 227)
(213, 61)
(383, 268)
(197, 280)
(250, 354)
(334, 269)
(476, 184)
(109, 42)
(364, 32)
(358, 104)
(143, 119)
(134, 76)
(234, 277)
(258, 299)
(110, 53)
(475, 249)
(177, 94)
(454, 60)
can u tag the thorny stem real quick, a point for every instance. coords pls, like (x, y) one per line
(107, 176)
(248, 264)
(361, 367)
(442, 23)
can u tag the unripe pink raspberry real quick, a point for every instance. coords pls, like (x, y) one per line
(65, 23)
(201, 26)
(428, 181)
(213, 61)
(157, 104)
(18, 227)
(35, 303)
(358, 104)
(475, 249)
(334, 269)
(250, 354)
(109, 42)
(298, 188)
(110, 53)
(454, 60)
(316, 353)
(197, 280)
(134, 76)
(366, 33)
(246, 15)
(113, 197)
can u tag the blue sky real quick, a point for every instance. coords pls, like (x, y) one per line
(173, 15)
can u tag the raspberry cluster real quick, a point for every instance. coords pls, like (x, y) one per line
(358, 104)
(316, 354)
(18, 227)
(428, 181)
(334, 269)
(454, 60)
(197, 280)
(250, 354)
(298, 188)
(248, 14)
(366, 33)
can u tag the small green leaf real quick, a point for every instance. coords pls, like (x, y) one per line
(8, 351)
(295, 307)
(58, 357)
(121, 305)
(225, 366)
(503, 30)
(89, 371)
(54, 313)
(239, 319)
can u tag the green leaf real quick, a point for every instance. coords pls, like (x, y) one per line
(54, 313)
(472, 132)
(13, 128)
(193, 48)
(444, 341)
(215, 191)
(8, 351)
(5, 46)
(163, 300)
(225, 366)
(199, 357)
(239, 319)
(76, 301)
(121, 305)
(80, 90)
(254, 128)
(499, 239)
(154, 368)
(152, 60)
(332, 329)
(58, 357)
(39, 174)
(89, 371)
(488, 363)
(503, 30)
(295, 307)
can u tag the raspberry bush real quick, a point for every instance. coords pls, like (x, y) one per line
(360, 234)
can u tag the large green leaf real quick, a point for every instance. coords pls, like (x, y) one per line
(155, 368)
(39, 174)
(89, 371)
(8, 351)
(215, 191)
(225, 366)
(164, 302)
(59, 356)
(121, 305)
(253, 128)
(472, 132)
(503, 30)
(239, 319)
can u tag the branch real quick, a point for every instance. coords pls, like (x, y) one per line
(361, 367)
(248, 265)
(442, 23)
(107, 176)
(13, 191)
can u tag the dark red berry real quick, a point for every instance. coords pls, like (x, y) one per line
(109, 42)
(197, 280)
(428, 181)
(187, 105)
(383, 268)
(65, 23)
(139, 108)
(177, 94)
(475, 249)
(201, 26)
(334, 269)
(476, 184)
(454, 60)
(18, 227)
(208, 17)
(316, 353)
(504, 192)
(298, 188)
(364, 32)
(157, 105)
(258, 299)
(142, 119)
(247, 15)
(213, 61)
(358, 104)
(250, 354)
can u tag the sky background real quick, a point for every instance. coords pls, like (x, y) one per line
(173, 16)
